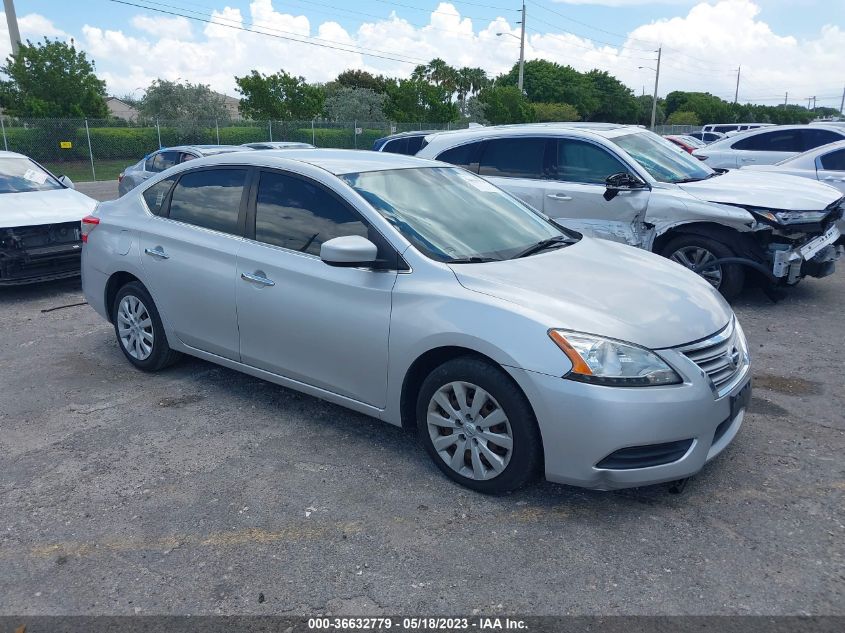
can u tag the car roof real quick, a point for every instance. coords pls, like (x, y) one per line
(390, 137)
(606, 130)
(335, 161)
(7, 154)
(204, 150)
(278, 144)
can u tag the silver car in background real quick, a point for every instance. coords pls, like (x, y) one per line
(167, 157)
(278, 145)
(420, 294)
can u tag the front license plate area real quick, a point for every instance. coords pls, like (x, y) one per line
(809, 250)
(741, 400)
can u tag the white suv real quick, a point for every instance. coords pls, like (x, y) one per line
(768, 146)
(627, 184)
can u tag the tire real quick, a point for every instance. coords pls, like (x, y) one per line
(485, 465)
(726, 278)
(136, 319)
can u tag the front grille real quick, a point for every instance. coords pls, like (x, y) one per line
(645, 456)
(722, 357)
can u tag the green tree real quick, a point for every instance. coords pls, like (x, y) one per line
(550, 112)
(51, 79)
(548, 82)
(355, 104)
(616, 102)
(177, 101)
(280, 96)
(681, 117)
(415, 100)
(644, 113)
(505, 104)
(354, 78)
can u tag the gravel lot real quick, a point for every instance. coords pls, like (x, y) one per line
(201, 490)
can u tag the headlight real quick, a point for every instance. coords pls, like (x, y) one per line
(605, 361)
(790, 217)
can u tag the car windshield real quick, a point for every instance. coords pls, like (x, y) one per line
(21, 175)
(450, 214)
(661, 159)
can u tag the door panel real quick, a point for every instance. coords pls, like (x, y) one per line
(318, 324)
(190, 268)
(575, 194)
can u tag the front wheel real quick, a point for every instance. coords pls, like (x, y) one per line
(478, 427)
(696, 251)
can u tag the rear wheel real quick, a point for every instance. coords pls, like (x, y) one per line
(696, 251)
(478, 427)
(139, 331)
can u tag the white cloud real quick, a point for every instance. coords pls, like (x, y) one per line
(701, 49)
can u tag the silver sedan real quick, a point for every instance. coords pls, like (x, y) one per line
(421, 294)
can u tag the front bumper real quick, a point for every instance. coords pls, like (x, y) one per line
(815, 257)
(39, 264)
(582, 424)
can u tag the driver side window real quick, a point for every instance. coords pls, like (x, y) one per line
(578, 161)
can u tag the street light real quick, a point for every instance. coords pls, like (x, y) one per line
(521, 39)
(656, 80)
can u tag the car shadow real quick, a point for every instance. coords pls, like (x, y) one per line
(40, 290)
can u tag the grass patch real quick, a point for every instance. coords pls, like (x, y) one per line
(80, 171)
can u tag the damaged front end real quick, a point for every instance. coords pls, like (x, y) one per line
(799, 243)
(43, 252)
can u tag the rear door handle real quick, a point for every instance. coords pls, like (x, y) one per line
(559, 196)
(258, 278)
(157, 252)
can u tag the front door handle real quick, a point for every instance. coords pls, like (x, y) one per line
(559, 196)
(258, 278)
(158, 251)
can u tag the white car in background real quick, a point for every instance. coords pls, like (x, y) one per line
(768, 145)
(728, 128)
(40, 216)
(825, 164)
(626, 184)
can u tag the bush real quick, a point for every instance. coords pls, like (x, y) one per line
(681, 117)
(545, 112)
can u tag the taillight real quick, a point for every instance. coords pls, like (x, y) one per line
(120, 177)
(89, 223)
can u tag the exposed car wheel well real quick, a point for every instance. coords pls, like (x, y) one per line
(113, 285)
(741, 243)
(418, 372)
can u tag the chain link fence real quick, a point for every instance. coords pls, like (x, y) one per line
(676, 129)
(87, 149)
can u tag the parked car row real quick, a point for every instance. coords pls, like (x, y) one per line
(424, 295)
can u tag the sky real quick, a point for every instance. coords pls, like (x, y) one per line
(782, 46)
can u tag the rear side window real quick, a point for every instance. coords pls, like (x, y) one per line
(156, 195)
(162, 160)
(835, 161)
(814, 138)
(774, 141)
(210, 198)
(578, 161)
(397, 146)
(300, 215)
(513, 158)
(461, 155)
(415, 144)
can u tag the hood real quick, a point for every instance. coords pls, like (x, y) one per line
(758, 189)
(44, 207)
(609, 289)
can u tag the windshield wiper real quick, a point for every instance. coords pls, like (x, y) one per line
(475, 259)
(707, 177)
(557, 240)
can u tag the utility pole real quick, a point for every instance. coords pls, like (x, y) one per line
(814, 103)
(736, 94)
(842, 104)
(12, 21)
(809, 101)
(786, 99)
(522, 50)
(656, 82)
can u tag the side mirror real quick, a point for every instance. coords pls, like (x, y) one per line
(623, 181)
(349, 251)
(67, 182)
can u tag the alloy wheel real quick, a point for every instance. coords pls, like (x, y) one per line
(693, 257)
(135, 327)
(469, 430)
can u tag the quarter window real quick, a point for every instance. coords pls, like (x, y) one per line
(513, 158)
(399, 146)
(814, 138)
(578, 161)
(461, 155)
(162, 160)
(300, 215)
(155, 195)
(210, 198)
(834, 161)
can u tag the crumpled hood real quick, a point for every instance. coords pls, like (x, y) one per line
(608, 289)
(44, 207)
(759, 189)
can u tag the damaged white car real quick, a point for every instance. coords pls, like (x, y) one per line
(40, 216)
(627, 184)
